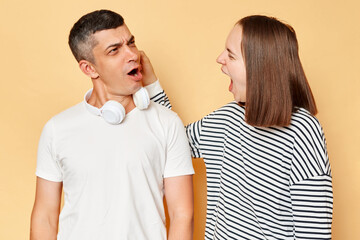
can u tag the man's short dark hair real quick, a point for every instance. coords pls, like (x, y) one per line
(81, 40)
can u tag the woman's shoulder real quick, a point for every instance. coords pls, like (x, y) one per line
(231, 111)
(231, 108)
(303, 122)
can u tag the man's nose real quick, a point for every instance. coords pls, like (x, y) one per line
(132, 54)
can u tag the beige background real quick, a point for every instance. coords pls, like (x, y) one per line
(39, 78)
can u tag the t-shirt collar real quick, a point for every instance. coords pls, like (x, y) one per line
(94, 110)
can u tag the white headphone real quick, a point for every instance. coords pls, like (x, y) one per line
(113, 112)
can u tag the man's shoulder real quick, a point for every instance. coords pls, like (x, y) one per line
(161, 110)
(71, 111)
(70, 114)
(162, 116)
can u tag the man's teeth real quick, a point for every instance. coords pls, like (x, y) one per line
(133, 72)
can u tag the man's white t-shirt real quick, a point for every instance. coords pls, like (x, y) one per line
(113, 174)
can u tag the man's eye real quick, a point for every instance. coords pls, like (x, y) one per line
(131, 42)
(231, 57)
(113, 50)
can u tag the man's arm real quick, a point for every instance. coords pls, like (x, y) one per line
(180, 202)
(178, 190)
(45, 214)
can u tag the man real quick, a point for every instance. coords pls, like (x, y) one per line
(114, 170)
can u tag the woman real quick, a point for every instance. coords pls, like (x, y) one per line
(268, 173)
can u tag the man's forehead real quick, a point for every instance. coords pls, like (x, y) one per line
(114, 35)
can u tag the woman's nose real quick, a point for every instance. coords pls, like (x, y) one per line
(220, 59)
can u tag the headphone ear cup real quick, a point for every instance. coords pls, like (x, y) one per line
(113, 112)
(141, 98)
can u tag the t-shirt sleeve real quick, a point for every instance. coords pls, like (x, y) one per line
(178, 158)
(312, 204)
(193, 132)
(47, 165)
(311, 185)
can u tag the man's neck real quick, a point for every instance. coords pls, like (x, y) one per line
(100, 96)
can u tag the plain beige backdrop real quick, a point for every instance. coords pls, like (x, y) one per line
(40, 77)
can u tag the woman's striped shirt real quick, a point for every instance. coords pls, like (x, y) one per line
(263, 183)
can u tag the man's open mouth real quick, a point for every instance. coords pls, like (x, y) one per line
(134, 72)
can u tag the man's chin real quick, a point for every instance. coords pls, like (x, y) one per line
(137, 87)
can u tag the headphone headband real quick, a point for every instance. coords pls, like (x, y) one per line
(113, 112)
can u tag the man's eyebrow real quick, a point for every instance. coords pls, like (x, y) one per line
(113, 45)
(119, 44)
(132, 38)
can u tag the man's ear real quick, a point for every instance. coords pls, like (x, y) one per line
(88, 68)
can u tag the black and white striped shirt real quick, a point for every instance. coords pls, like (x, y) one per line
(263, 183)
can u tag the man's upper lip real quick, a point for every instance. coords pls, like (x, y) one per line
(138, 66)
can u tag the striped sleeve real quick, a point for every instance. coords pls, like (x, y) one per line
(158, 95)
(193, 132)
(311, 183)
(312, 204)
